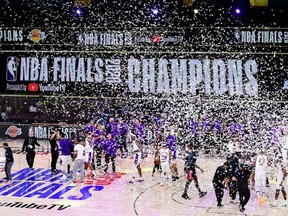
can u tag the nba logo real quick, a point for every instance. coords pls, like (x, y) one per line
(12, 68)
(237, 37)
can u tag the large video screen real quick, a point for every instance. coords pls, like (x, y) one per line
(144, 64)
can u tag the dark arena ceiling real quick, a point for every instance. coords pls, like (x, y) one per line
(129, 13)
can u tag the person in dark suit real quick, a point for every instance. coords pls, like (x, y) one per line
(9, 162)
(29, 146)
(219, 182)
(54, 150)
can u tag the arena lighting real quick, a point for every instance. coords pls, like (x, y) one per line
(238, 11)
(78, 11)
(155, 11)
(196, 11)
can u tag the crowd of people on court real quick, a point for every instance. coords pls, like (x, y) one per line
(116, 137)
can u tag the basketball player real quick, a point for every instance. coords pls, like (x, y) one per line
(123, 132)
(165, 157)
(112, 128)
(281, 182)
(78, 158)
(136, 159)
(172, 145)
(139, 130)
(88, 156)
(156, 162)
(190, 164)
(90, 127)
(65, 159)
(98, 141)
(261, 165)
(110, 148)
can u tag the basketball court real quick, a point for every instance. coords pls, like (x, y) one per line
(39, 192)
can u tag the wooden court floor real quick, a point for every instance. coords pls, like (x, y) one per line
(40, 193)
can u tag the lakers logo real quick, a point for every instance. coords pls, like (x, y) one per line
(13, 131)
(36, 35)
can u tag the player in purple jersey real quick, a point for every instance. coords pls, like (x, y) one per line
(110, 148)
(159, 123)
(112, 128)
(217, 126)
(172, 146)
(205, 125)
(193, 127)
(123, 132)
(90, 127)
(65, 148)
(98, 139)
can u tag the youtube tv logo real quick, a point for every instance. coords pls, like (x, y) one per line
(156, 38)
(33, 87)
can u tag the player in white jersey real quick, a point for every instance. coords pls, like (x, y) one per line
(136, 159)
(261, 166)
(89, 156)
(281, 182)
(165, 157)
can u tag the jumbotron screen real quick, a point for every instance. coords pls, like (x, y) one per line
(165, 64)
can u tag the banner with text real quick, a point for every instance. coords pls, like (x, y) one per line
(152, 74)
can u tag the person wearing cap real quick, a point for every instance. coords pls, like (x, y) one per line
(9, 162)
(242, 177)
(220, 181)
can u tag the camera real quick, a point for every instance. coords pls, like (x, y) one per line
(55, 129)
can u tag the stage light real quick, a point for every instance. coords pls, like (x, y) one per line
(155, 11)
(238, 11)
(196, 11)
(78, 11)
